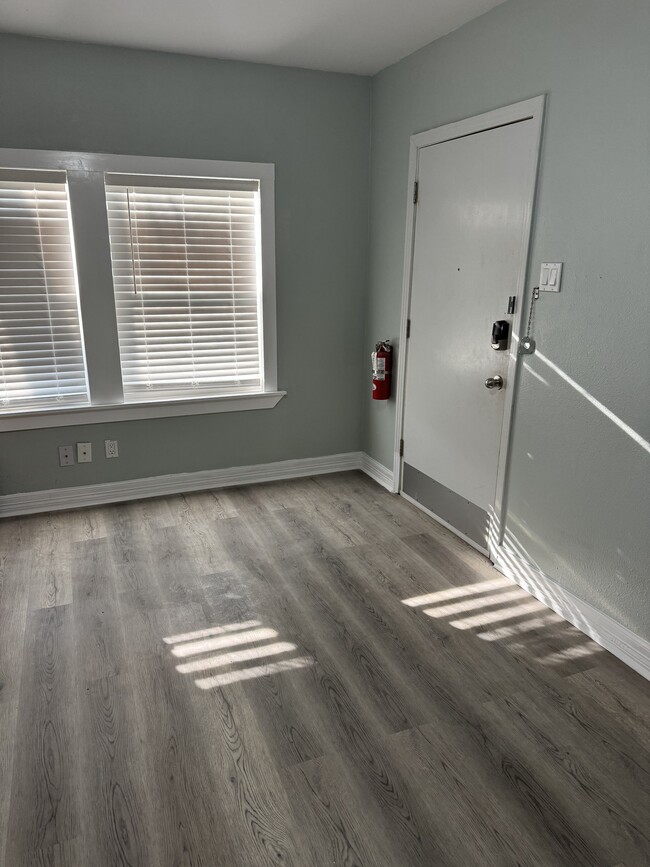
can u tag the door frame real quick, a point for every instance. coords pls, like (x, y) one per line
(532, 110)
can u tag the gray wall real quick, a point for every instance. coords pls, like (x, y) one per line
(315, 128)
(578, 504)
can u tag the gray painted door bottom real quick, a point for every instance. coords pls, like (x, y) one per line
(460, 513)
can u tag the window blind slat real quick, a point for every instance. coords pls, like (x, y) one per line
(41, 354)
(187, 286)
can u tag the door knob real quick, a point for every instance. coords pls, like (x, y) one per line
(494, 382)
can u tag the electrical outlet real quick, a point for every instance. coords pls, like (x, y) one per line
(84, 453)
(110, 447)
(66, 456)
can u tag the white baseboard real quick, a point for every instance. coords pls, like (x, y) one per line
(381, 474)
(622, 642)
(77, 497)
(178, 483)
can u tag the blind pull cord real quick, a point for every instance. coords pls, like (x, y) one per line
(128, 209)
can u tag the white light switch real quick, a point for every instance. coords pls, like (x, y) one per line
(550, 277)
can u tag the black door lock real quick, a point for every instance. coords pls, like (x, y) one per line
(500, 334)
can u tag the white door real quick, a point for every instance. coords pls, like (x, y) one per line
(470, 241)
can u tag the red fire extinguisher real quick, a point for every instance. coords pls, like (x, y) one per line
(382, 362)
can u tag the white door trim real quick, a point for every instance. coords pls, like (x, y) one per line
(530, 109)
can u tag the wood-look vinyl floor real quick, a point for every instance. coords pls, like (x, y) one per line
(300, 673)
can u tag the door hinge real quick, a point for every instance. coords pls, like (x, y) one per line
(408, 328)
(401, 448)
(415, 193)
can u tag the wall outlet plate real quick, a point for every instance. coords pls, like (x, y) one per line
(550, 277)
(84, 453)
(110, 447)
(66, 456)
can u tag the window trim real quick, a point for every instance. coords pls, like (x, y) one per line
(102, 414)
(86, 189)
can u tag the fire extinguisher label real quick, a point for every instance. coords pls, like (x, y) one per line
(381, 364)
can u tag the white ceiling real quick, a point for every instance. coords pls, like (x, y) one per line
(361, 36)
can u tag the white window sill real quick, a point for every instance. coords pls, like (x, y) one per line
(46, 418)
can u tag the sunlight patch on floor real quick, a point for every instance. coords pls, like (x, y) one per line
(212, 630)
(257, 671)
(458, 592)
(217, 642)
(498, 610)
(241, 643)
(480, 602)
(514, 629)
(487, 617)
(235, 656)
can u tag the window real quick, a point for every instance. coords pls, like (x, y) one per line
(134, 287)
(41, 353)
(186, 280)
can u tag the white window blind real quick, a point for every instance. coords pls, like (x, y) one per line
(187, 275)
(41, 354)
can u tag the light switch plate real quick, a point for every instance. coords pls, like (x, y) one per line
(84, 453)
(550, 277)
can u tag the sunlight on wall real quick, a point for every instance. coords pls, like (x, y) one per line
(234, 635)
(535, 374)
(588, 396)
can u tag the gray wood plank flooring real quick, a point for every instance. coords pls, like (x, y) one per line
(304, 673)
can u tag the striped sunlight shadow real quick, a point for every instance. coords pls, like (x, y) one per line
(219, 641)
(477, 602)
(230, 638)
(458, 592)
(486, 617)
(257, 671)
(212, 630)
(234, 656)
